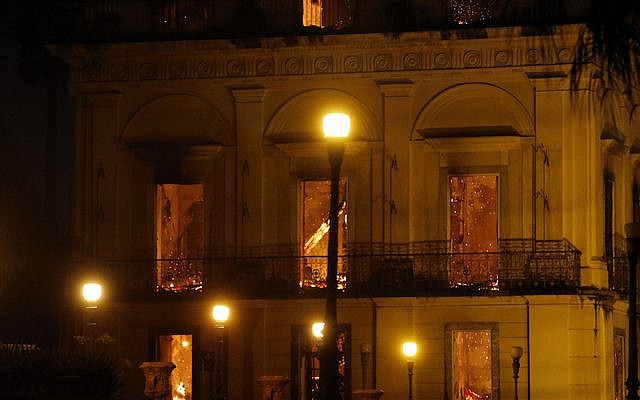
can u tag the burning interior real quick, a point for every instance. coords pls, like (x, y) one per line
(179, 237)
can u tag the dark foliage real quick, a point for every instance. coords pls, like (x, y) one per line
(54, 375)
(610, 39)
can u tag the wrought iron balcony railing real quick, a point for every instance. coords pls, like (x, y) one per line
(108, 20)
(618, 265)
(369, 270)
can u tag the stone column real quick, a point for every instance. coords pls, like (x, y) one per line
(272, 387)
(156, 379)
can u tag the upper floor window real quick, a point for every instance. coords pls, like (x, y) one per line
(179, 236)
(315, 200)
(471, 11)
(609, 244)
(473, 230)
(334, 14)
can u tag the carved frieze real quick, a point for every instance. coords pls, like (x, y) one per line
(323, 65)
(378, 56)
(205, 69)
(383, 62)
(353, 63)
(412, 61)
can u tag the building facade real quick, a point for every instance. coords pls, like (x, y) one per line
(482, 204)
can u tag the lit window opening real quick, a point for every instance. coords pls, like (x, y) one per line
(472, 365)
(178, 349)
(316, 196)
(465, 12)
(179, 237)
(473, 226)
(334, 14)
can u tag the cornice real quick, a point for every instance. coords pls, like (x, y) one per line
(341, 54)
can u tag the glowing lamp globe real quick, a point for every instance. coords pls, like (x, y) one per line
(91, 292)
(336, 125)
(220, 313)
(409, 349)
(317, 329)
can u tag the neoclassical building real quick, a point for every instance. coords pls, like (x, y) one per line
(483, 201)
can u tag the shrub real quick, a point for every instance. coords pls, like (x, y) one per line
(32, 374)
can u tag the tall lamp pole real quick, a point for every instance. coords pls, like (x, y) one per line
(409, 349)
(336, 129)
(633, 246)
(220, 315)
(91, 293)
(516, 354)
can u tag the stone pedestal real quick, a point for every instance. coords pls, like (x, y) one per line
(156, 379)
(367, 394)
(272, 387)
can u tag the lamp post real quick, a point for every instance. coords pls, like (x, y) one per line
(633, 247)
(409, 349)
(220, 315)
(91, 293)
(516, 353)
(336, 129)
(365, 354)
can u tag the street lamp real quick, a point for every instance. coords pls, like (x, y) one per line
(336, 129)
(317, 329)
(633, 248)
(365, 354)
(91, 293)
(409, 349)
(516, 353)
(220, 314)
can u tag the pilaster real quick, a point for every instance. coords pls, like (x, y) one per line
(249, 105)
(99, 138)
(397, 125)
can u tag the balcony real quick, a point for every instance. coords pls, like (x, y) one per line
(521, 266)
(127, 20)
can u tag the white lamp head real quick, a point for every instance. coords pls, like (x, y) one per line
(336, 125)
(317, 328)
(220, 313)
(409, 349)
(91, 292)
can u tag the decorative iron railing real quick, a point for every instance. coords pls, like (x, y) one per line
(369, 270)
(618, 265)
(88, 20)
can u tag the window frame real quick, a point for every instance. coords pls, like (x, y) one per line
(495, 354)
(619, 332)
(298, 340)
(447, 202)
(156, 232)
(300, 221)
(154, 351)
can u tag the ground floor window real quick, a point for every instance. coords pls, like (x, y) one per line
(619, 363)
(305, 363)
(472, 361)
(178, 349)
